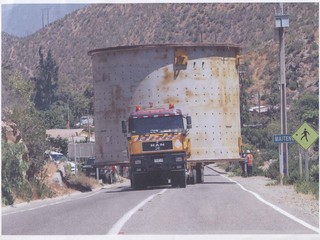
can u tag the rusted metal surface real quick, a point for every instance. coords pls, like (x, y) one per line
(206, 86)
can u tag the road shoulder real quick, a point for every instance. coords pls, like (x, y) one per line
(302, 206)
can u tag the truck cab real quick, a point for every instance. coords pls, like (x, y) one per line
(158, 146)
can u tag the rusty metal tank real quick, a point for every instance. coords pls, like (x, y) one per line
(201, 79)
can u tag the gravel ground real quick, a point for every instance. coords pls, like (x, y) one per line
(302, 206)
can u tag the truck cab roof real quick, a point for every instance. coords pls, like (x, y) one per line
(157, 112)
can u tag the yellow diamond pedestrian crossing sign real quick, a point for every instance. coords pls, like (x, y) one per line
(305, 136)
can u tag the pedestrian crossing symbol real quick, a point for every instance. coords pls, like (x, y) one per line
(305, 136)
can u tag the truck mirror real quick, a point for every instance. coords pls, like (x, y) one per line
(124, 126)
(189, 123)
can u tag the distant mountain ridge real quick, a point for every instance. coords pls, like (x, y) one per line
(107, 25)
(21, 20)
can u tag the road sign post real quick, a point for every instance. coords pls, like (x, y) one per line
(307, 157)
(281, 139)
(300, 162)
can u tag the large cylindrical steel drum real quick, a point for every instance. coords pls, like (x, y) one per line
(200, 79)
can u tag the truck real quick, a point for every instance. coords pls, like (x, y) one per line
(200, 80)
(158, 146)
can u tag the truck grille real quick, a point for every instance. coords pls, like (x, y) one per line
(156, 146)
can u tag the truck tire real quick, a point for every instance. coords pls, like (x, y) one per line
(179, 179)
(138, 182)
(182, 180)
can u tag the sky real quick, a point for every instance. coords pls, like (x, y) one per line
(24, 19)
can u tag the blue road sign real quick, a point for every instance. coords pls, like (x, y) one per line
(283, 138)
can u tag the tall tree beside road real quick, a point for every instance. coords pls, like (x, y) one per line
(46, 81)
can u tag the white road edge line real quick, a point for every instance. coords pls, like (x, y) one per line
(63, 199)
(307, 225)
(115, 229)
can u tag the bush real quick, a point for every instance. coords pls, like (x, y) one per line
(293, 178)
(41, 189)
(273, 171)
(24, 191)
(256, 171)
(314, 173)
(306, 187)
(235, 168)
(12, 171)
(81, 183)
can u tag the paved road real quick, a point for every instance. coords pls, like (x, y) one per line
(218, 206)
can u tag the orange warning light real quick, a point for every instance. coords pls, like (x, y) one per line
(171, 106)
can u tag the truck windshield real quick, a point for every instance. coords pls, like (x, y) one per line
(156, 125)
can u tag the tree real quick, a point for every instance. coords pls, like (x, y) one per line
(34, 136)
(55, 116)
(46, 81)
(81, 105)
(306, 109)
(16, 91)
(89, 94)
(244, 96)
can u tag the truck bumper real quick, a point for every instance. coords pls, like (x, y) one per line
(158, 169)
(156, 163)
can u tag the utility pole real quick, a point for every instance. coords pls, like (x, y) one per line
(282, 21)
(45, 23)
(68, 116)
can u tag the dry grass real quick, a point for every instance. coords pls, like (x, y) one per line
(82, 183)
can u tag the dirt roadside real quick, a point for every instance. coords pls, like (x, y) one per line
(302, 206)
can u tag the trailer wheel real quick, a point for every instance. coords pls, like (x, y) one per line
(104, 179)
(194, 176)
(109, 179)
(200, 173)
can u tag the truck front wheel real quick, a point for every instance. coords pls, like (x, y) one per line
(183, 179)
(179, 179)
(138, 182)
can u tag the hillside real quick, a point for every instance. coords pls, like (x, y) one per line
(247, 24)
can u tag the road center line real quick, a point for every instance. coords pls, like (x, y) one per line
(115, 229)
(307, 225)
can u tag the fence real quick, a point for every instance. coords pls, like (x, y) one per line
(81, 150)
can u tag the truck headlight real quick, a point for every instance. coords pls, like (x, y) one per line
(179, 159)
(137, 162)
